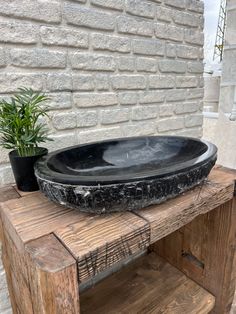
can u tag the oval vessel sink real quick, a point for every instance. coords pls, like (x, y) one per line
(124, 174)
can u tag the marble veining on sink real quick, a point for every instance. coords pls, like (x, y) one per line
(124, 174)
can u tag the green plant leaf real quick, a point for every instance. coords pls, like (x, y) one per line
(19, 121)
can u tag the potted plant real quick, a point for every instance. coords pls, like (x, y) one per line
(22, 132)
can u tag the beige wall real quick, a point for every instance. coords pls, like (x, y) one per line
(228, 80)
(222, 130)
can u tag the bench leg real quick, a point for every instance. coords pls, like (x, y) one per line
(205, 251)
(7, 267)
(42, 278)
(53, 277)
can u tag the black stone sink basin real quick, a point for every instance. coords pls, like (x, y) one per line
(124, 174)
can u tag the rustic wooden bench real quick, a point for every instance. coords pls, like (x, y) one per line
(174, 258)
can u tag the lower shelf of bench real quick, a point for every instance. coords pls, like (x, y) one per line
(148, 285)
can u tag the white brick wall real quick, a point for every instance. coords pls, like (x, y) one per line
(112, 68)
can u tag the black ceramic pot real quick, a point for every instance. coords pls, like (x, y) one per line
(23, 170)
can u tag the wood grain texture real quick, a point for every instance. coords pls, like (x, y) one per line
(172, 215)
(17, 277)
(1, 228)
(43, 280)
(33, 216)
(149, 285)
(6, 193)
(47, 248)
(98, 242)
(205, 251)
(11, 288)
(53, 276)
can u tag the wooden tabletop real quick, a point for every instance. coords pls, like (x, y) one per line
(98, 242)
